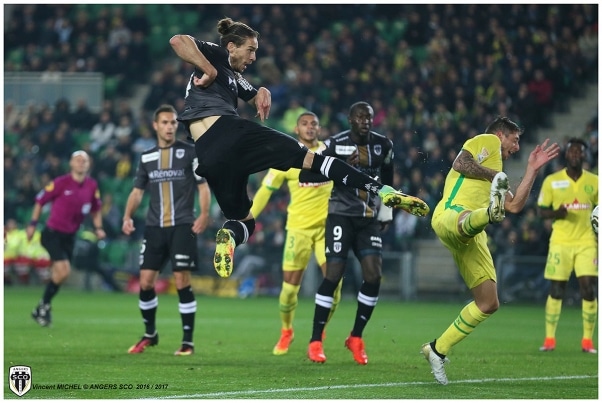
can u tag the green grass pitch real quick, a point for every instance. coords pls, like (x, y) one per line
(91, 332)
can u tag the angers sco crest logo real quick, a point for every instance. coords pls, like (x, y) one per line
(19, 379)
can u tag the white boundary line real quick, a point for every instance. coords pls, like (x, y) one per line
(234, 394)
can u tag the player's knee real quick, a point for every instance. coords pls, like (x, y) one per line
(557, 289)
(588, 291)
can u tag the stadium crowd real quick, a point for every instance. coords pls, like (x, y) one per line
(434, 74)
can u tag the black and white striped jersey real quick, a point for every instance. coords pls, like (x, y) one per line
(375, 159)
(167, 174)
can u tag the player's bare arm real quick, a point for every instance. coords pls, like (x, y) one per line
(131, 205)
(186, 49)
(97, 221)
(263, 102)
(541, 155)
(469, 167)
(201, 222)
(35, 216)
(560, 213)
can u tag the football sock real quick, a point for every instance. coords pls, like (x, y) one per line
(324, 299)
(241, 230)
(367, 298)
(465, 323)
(342, 173)
(475, 222)
(187, 308)
(553, 308)
(148, 304)
(590, 310)
(287, 303)
(335, 300)
(50, 292)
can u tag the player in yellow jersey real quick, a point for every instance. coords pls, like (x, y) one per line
(306, 216)
(569, 196)
(476, 193)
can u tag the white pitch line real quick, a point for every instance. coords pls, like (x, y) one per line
(369, 385)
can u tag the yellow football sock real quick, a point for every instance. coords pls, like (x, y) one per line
(475, 222)
(465, 323)
(589, 310)
(336, 298)
(553, 308)
(288, 303)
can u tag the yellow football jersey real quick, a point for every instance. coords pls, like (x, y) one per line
(468, 193)
(579, 197)
(308, 205)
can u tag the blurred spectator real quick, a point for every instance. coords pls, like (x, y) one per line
(102, 132)
(82, 118)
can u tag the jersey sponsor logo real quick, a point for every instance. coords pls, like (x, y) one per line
(482, 155)
(166, 174)
(378, 149)
(180, 153)
(243, 83)
(154, 156)
(344, 150)
(68, 192)
(376, 241)
(563, 184)
(576, 205)
(313, 184)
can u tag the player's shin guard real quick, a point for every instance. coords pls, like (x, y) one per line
(51, 290)
(367, 298)
(589, 312)
(343, 173)
(148, 304)
(475, 222)
(336, 298)
(288, 302)
(553, 309)
(464, 325)
(187, 308)
(324, 299)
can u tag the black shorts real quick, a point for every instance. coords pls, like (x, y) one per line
(177, 243)
(58, 244)
(360, 234)
(234, 148)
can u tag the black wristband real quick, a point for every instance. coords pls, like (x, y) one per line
(33, 222)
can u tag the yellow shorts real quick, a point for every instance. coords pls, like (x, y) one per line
(299, 245)
(562, 259)
(472, 256)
